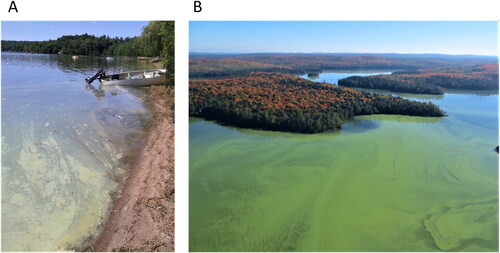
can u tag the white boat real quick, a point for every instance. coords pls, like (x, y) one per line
(135, 78)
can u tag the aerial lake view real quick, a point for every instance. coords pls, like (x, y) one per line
(360, 136)
(381, 183)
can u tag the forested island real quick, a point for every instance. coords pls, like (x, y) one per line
(224, 65)
(284, 102)
(430, 81)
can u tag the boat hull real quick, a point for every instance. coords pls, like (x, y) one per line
(135, 82)
(135, 78)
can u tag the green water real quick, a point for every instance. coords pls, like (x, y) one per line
(382, 183)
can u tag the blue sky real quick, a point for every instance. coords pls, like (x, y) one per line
(344, 36)
(45, 30)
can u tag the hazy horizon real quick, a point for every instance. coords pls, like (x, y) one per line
(338, 53)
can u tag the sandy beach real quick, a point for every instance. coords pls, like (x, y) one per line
(142, 215)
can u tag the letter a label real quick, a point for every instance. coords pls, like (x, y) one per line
(13, 6)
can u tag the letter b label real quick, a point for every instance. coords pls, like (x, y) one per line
(197, 6)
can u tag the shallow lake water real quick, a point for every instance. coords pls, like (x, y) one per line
(65, 146)
(382, 183)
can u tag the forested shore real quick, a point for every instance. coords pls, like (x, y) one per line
(430, 81)
(148, 44)
(83, 44)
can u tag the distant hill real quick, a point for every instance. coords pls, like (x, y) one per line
(217, 65)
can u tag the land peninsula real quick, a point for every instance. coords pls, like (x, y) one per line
(284, 102)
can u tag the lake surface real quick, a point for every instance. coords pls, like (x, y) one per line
(65, 146)
(382, 183)
(334, 77)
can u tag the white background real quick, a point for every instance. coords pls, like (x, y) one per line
(182, 11)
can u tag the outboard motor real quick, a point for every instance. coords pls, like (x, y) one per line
(99, 75)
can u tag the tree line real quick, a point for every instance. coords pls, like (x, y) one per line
(84, 44)
(278, 101)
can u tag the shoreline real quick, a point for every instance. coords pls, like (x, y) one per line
(141, 217)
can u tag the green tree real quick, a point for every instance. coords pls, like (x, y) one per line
(158, 39)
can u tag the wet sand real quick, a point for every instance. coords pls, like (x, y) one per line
(142, 215)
